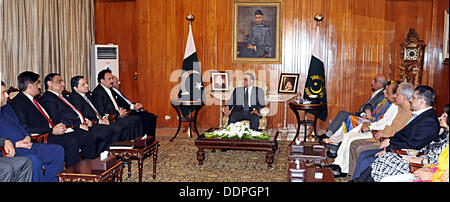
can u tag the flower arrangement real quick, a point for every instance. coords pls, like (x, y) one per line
(237, 130)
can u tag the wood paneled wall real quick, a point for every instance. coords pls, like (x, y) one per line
(359, 38)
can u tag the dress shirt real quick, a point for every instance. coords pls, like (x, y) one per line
(250, 88)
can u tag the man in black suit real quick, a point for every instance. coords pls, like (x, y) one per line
(82, 99)
(148, 119)
(36, 120)
(96, 138)
(419, 131)
(107, 104)
(246, 103)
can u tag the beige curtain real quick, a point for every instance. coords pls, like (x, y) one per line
(45, 36)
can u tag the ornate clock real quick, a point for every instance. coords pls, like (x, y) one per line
(412, 51)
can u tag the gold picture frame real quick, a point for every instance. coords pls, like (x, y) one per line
(446, 45)
(256, 32)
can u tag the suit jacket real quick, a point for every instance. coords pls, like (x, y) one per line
(104, 103)
(257, 98)
(417, 133)
(372, 103)
(59, 110)
(120, 101)
(80, 103)
(30, 117)
(10, 126)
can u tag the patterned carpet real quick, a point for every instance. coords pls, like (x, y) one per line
(177, 162)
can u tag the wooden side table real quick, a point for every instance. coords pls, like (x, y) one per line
(140, 154)
(193, 107)
(83, 172)
(298, 107)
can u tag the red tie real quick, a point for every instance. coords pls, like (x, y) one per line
(71, 106)
(42, 112)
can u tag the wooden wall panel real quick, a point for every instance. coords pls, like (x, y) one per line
(359, 38)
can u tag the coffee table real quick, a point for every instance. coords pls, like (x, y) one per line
(269, 146)
(140, 154)
(83, 172)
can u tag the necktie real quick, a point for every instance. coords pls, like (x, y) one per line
(246, 107)
(92, 107)
(113, 100)
(75, 109)
(43, 113)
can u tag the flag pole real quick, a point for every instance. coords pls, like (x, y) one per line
(190, 18)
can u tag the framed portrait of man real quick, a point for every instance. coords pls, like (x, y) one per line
(288, 83)
(220, 81)
(256, 32)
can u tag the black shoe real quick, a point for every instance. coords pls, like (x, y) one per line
(320, 138)
(331, 155)
(336, 171)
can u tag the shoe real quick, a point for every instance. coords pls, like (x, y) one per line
(331, 154)
(319, 138)
(336, 171)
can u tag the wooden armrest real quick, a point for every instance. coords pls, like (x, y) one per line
(41, 138)
(112, 118)
(414, 166)
(398, 151)
(2, 149)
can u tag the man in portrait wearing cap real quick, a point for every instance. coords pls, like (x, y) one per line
(260, 39)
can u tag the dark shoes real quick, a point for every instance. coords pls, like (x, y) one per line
(319, 138)
(331, 154)
(336, 171)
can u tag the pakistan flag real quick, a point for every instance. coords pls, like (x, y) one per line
(315, 89)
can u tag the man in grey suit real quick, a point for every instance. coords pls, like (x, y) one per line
(12, 169)
(378, 84)
(246, 103)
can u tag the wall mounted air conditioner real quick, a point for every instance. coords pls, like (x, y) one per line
(103, 57)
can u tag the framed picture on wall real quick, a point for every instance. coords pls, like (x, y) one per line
(256, 32)
(220, 81)
(446, 46)
(288, 83)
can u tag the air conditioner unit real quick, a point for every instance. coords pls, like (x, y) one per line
(103, 57)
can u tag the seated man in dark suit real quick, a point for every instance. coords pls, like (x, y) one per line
(36, 120)
(419, 131)
(82, 99)
(48, 156)
(148, 119)
(246, 103)
(96, 139)
(107, 104)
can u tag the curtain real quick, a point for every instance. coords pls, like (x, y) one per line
(45, 36)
